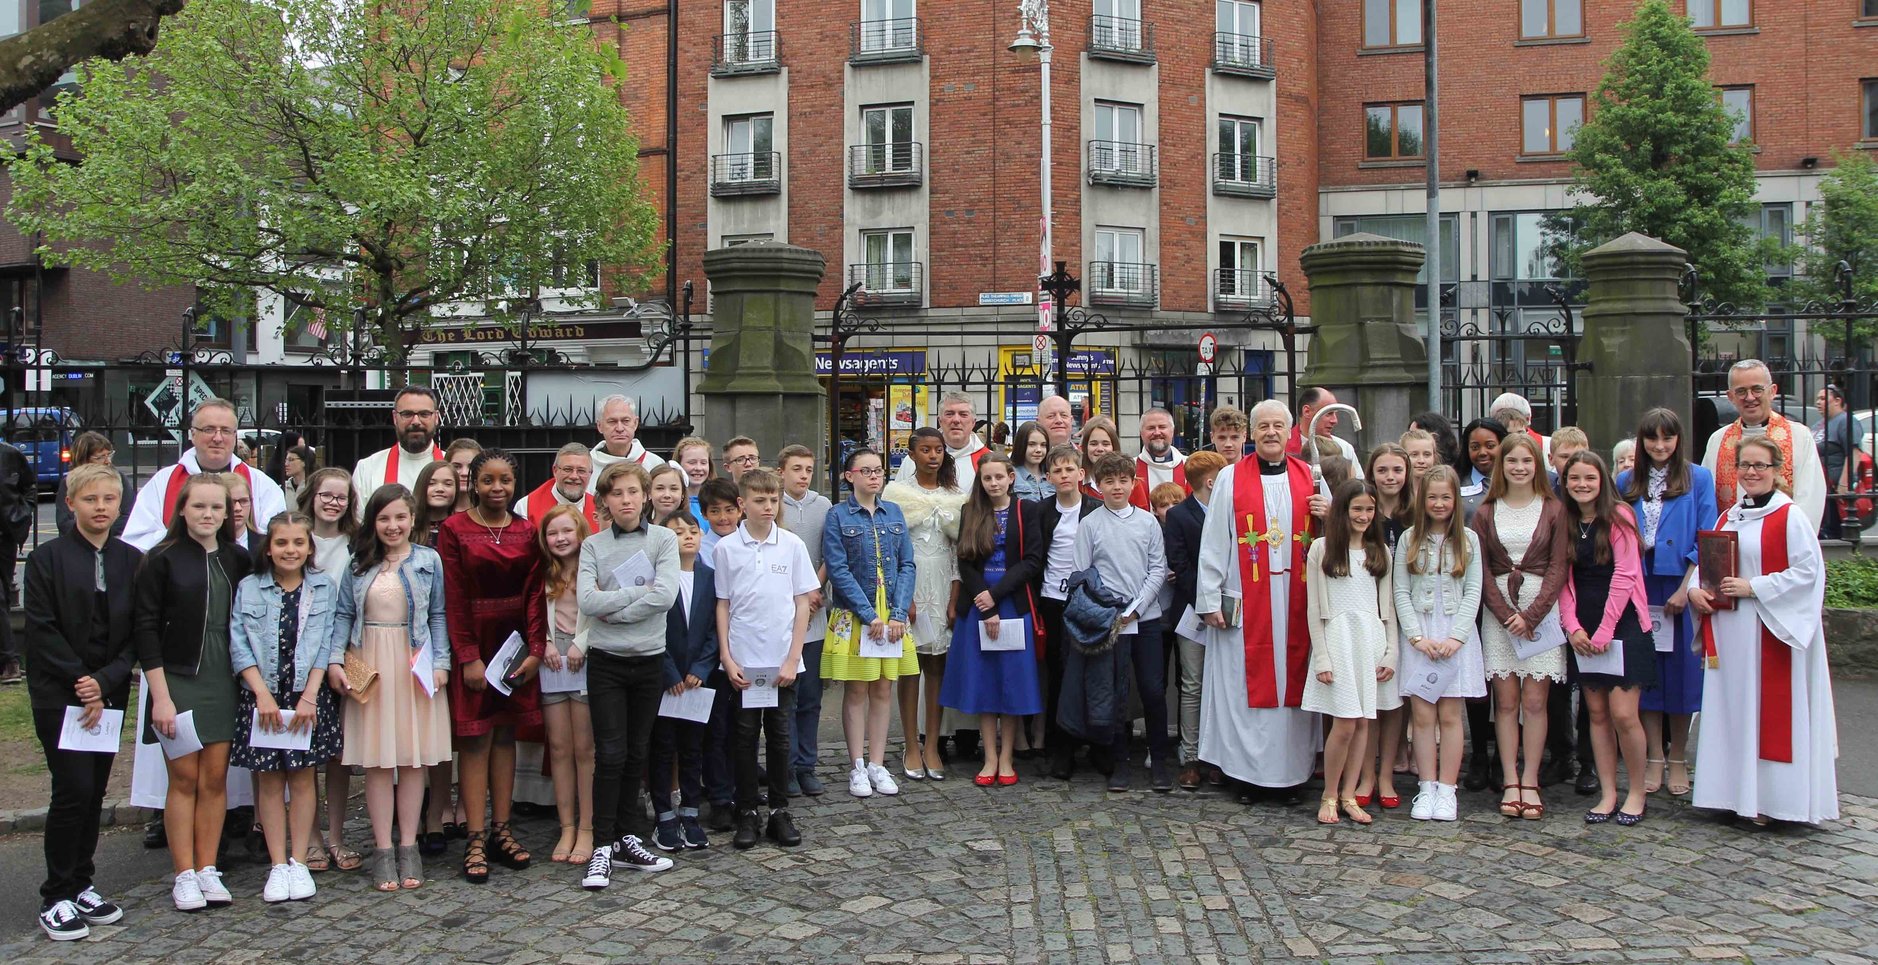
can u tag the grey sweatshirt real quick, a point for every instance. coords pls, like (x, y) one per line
(1128, 553)
(805, 517)
(627, 621)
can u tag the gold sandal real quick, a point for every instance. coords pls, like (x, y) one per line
(1328, 804)
(1355, 811)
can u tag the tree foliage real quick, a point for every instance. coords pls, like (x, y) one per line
(1843, 227)
(33, 61)
(1655, 157)
(391, 158)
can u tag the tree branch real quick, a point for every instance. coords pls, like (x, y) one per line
(112, 29)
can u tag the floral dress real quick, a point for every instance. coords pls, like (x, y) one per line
(328, 739)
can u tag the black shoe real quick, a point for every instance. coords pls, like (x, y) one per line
(1477, 773)
(1160, 776)
(1062, 762)
(96, 909)
(1588, 783)
(10, 673)
(720, 817)
(1554, 771)
(63, 923)
(630, 853)
(432, 843)
(782, 829)
(1102, 759)
(154, 835)
(1292, 796)
(749, 831)
(966, 743)
(795, 783)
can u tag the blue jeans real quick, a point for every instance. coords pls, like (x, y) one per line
(808, 714)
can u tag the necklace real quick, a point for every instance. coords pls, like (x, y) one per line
(1584, 528)
(475, 515)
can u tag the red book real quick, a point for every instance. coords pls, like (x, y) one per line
(1718, 556)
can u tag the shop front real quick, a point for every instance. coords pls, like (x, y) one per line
(881, 398)
(1022, 384)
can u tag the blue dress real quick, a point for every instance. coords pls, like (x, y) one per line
(1678, 687)
(1000, 682)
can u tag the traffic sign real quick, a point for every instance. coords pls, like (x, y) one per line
(1042, 343)
(1209, 347)
(1046, 313)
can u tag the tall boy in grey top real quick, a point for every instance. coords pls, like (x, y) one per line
(804, 511)
(627, 621)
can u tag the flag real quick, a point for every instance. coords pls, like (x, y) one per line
(317, 327)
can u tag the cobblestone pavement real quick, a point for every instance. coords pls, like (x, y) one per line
(1070, 873)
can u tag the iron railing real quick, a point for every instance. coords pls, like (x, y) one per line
(1243, 54)
(890, 165)
(1121, 283)
(885, 41)
(888, 283)
(1120, 38)
(1123, 163)
(749, 52)
(1245, 175)
(1239, 289)
(735, 175)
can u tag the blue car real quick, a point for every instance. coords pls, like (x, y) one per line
(44, 434)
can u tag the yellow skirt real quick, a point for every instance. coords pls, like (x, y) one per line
(841, 653)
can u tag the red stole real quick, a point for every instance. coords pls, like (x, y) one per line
(1776, 657)
(544, 499)
(1248, 502)
(173, 490)
(1143, 489)
(394, 456)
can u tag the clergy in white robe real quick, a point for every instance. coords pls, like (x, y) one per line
(1751, 388)
(1258, 528)
(1769, 744)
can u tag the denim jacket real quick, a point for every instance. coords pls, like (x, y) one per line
(1415, 592)
(422, 575)
(848, 544)
(254, 631)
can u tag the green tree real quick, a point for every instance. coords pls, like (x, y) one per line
(1655, 157)
(34, 60)
(1843, 227)
(383, 157)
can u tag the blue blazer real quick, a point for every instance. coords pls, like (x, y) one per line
(1181, 533)
(1683, 517)
(691, 637)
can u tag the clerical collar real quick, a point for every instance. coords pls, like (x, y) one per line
(1756, 502)
(1270, 468)
(1760, 426)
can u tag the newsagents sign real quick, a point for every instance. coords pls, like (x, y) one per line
(875, 363)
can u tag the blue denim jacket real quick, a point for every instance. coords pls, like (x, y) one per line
(254, 627)
(848, 541)
(422, 575)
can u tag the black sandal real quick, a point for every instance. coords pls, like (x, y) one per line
(455, 830)
(476, 860)
(509, 852)
(432, 843)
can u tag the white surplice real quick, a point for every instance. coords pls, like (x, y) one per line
(1270, 747)
(1729, 773)
(1809, 480)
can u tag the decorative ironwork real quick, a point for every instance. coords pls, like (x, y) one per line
(749, 52)
(885, 41)
(1481, 361)
(1121, 38)
(1244, 55)
(844, 323)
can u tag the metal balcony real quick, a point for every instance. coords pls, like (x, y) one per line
(885, 41)
(1245, 176)
(1119, 38)
(1239, 290)
(895, 164)
(888, 284)
(1121, 284)
(1122, 163)
(750, 52)
(739, 175)
(1244, 55)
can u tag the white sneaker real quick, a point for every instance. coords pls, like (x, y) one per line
(187, 893)
(1424, 807)
(279, 885)
(858, 784)
(210, 881)
(882, 780)
(300, 885)
(1447, 808)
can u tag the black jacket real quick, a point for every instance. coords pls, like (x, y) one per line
(62, 513)
(691, 637)
(1025, 551)
(62, 642)
(19, 495)
(172, 598)
(1181, 534)
(1048, 515)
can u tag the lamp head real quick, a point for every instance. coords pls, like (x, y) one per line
(1026, 43)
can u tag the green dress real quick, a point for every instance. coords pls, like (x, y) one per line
(211, 690)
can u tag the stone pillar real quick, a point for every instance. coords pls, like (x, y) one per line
(1636, 340)
(761, 382)
(1368, 348)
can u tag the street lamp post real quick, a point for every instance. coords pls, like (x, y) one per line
(1033, 34)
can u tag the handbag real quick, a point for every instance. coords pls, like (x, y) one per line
(359, 675)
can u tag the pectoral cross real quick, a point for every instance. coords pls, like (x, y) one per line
(1253, 538)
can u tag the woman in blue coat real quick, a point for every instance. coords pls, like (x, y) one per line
(1673, 499)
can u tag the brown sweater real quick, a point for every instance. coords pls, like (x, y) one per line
(1548, 557)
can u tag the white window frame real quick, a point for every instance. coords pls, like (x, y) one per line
(893, 155)
(1120, 27)
(1244, 281)
(753, 168)
(740, 43)
(1744, 129)
(1112, 248)
(1126, 154)
(1236, 44)
(892, 239)
(1242, 164)
(902, 35)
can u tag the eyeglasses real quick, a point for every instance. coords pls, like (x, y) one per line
(213, 432)
(333, 499)
(749, 460)
(1749, 391)
(1754, 466)
(869, 473)
(417, 413)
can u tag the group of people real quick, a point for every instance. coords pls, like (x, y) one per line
(649, 622)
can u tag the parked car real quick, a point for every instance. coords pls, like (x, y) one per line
(44, 434)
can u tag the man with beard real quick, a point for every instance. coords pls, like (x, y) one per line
(414, 415)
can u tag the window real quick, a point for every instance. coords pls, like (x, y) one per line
(50, 10)
(1719, 14)
(572, 11)
(1548, 124)
(1238, 149)
(1116, 25)
(1868, 8)
(1410, 227)
(1238, 39)
(733, 241)
(1869, 131)
(888, 25)
(1540, 19)
(1739, 102)
(889, 138)
(1238, 268)
(1118, 133)
(889, 257)
(749, 31)
(1527, 247)
(1394, 131)
(566, 276)
(748, 149)
(1392, 23)
(1118, 266)
(1774, 222)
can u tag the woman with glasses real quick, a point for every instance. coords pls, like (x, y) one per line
(91, 449)
(327, 500)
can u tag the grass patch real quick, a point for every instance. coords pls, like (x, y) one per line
(16, 714)
(1852, 583)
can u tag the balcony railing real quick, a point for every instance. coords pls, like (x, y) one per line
(1123, 163)
(885, 41)
(888, 284)
(1239, 289)
(1119, 38)
(735, 175)
(750, 52)
(1121, 283)
(1243, 54)
(1245, 176)
(895, 164)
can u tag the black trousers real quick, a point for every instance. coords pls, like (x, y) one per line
(71, 836)
(9, 648)
(623, 698)
(1144, 651)
(774, 723)
(680, 741)
(1558, 714)
(1480, 725)
(1051, 613)
(720, 777)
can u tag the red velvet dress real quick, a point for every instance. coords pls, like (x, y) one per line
(492, 588)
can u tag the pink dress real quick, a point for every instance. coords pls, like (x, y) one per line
(398, 725)
(492, 588)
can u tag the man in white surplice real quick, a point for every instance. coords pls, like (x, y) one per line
(1258, 527)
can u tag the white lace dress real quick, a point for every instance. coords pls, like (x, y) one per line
(1355, 643)
(1516, 528)
(932, 520)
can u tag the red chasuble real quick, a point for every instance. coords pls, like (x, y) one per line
(1776, 657)
(543, 499)
(393, 457)
(173, 489)
(1257, 544)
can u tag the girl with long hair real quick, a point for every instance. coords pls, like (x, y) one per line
(1029, 444)
(570, 727)
(328, 501)
(1390, 471)
(459, 454)
(932, 503)
(694, 459)
(1099, 438)
(436, 501)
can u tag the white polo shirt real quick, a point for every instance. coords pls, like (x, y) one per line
(762, 579)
